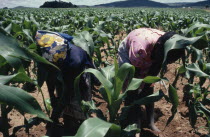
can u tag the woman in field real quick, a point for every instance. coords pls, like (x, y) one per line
(71, 60)
(144, 49)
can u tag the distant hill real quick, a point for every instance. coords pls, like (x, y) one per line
(179, 4)
(134, 3)
(190, 4)
(202, 3)
(56, 4)
(22, 7)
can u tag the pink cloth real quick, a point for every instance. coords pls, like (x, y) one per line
(139, 44)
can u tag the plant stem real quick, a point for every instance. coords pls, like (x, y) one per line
(164, 84)
(48, 111)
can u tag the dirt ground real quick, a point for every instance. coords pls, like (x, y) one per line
(180, 126)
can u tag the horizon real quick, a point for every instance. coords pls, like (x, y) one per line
(37, 3)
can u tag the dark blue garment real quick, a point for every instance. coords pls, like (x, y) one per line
(76, 61)
(66, 36)
(77, 58)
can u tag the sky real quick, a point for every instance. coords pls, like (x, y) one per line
(37, 3)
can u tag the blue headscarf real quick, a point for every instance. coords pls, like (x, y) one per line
(53, 45)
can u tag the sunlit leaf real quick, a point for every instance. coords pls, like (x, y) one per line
(21, 100)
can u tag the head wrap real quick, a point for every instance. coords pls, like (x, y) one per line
(53, 45)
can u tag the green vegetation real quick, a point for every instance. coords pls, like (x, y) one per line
(99, 32)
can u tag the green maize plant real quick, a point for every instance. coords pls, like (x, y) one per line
(99, 31)
(12, 71)
(112, 79)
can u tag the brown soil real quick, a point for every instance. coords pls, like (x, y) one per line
(16, 119)
(180, 126)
